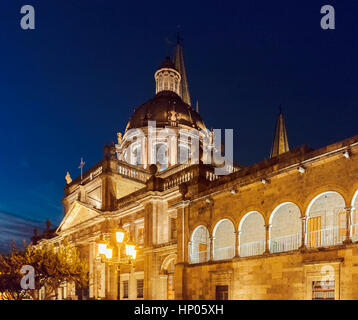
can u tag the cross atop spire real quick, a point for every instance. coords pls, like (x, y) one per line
(82, 164)
(280, 142)
(178, 60)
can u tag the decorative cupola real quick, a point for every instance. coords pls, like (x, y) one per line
(167, 78)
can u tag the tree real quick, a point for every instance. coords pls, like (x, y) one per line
(10, 275)
(53, 267)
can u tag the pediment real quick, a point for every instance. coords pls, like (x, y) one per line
(77, 214)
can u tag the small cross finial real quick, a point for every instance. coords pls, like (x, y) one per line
(280, 108)
(82, 164)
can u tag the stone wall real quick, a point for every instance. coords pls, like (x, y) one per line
(276, 276)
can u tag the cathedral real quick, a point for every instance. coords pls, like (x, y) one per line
(155, 220)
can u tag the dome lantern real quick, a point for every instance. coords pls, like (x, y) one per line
(167, 78)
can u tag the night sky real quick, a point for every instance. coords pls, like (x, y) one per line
(68, 86)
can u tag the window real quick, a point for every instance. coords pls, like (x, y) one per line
(125, 289)
(170, 287)
(173, 228)
(183, 154)
(140, 235)
(222, 292)
(323, 291)
(136, 156)
(313, 232)
(342, 224)
(161, 156)
(140, 288)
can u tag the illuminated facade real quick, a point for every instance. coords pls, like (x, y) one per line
(273, 230)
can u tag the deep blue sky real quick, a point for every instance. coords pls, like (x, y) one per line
(67, 87)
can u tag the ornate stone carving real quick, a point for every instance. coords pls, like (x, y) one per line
(119, 137)
(68, 178)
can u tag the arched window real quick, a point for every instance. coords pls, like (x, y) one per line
(183, 154)
(224, 240)
(199, 246)
(285, 228)
(252, 234)
(354, 218)
(161, 155)
(136, 158)
(326, 220)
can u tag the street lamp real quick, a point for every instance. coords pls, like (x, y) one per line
(131, 250)
(120, 234)
(106, 248)
(110, 249)
(102, 246)
(109, 252)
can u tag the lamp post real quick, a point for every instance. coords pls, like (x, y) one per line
(111, 249)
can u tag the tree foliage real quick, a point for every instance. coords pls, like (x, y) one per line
(53, 267)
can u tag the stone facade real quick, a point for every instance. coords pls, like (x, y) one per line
(271, 274)
(284, 228)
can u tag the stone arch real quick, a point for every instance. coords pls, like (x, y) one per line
(249, 209)
(199, 245)
(167, 262)
(326, 220)
(224, 240)
(281, 201)
(252, 234)
(324, 189)
(285, 227)
(354, 202)
(217, 220)
(354, 217)
(167, 277)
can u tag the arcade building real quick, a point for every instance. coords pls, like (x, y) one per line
(283, 228)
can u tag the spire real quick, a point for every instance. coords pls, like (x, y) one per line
(197, 106)
(280, 142)
(178, 61)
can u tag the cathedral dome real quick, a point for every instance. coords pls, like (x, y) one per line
(167, 109)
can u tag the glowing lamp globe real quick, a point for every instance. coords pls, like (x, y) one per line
(131, 250)
(108, 253)
(120, 236)
(102, 245)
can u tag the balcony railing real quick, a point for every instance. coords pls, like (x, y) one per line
(285, 243)
(224, 253)
(326, 237)
(354, 232)
(252, 248)
(199, 256)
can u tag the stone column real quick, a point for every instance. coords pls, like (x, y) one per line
(348, 239)
(237, 234)
(91, 267)
(182, 248)
(112, 281)
(190, 250)
(144, 152)
(303, 234)
(148, 245)
(163, 292)
(183, 232)
(267, 242)
(211, 239)
(173, 148)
